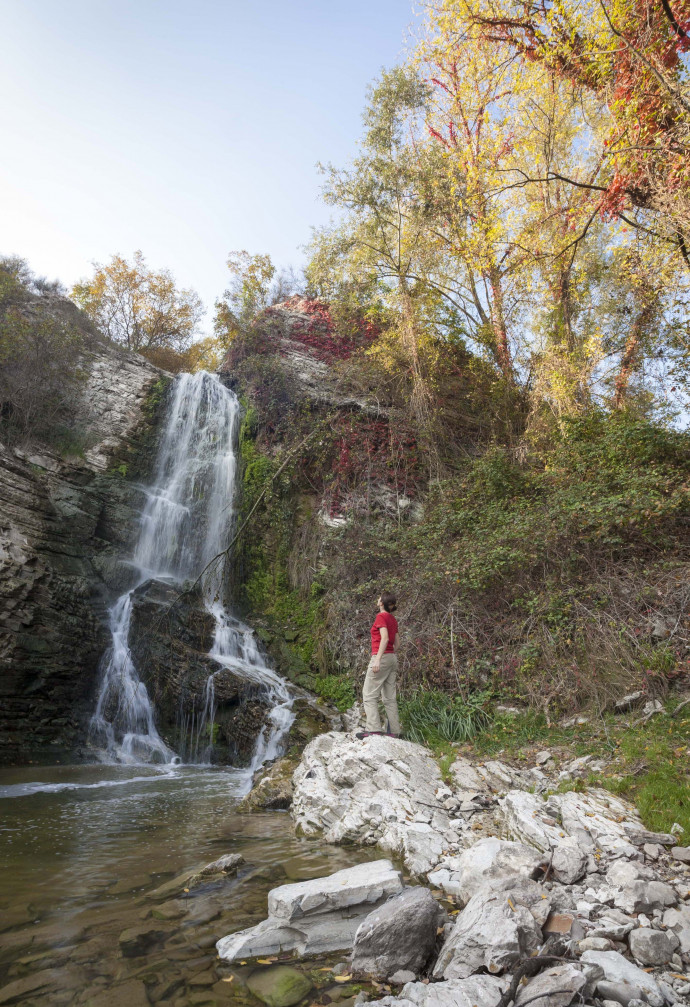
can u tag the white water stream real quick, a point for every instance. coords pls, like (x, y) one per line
(188, 520)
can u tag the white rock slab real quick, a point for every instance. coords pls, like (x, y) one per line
(364, 884)
(475, 991)
(377, 790)
(313, 917)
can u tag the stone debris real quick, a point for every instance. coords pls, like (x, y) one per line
(314, 917)
(399, 935)
(571, 874)
(475, 991)
(618, 969)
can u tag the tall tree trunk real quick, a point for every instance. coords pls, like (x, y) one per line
(498, 322)
(421, 400)
(631, 355)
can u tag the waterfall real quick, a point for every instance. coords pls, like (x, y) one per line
(187, 520)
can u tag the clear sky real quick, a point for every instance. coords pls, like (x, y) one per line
(185, 128)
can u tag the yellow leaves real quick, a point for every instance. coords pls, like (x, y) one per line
(342, 979)
(267, 961)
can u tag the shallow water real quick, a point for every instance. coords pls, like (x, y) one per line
(81, 851)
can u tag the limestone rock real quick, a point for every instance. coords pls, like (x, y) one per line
(314, 917)
(475, 991)
(569, 861)
(594, 820)
(652, 947)
(618, 993)
(681, 853)
(618, 969)
(552, 983)
(489, 859)
(365, 883)
(279, 986)
(489, 933)
(398, 935)
(380, 790)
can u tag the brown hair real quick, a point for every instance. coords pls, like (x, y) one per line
(389, 601)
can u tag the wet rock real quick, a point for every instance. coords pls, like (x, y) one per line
(136, 941)
(272, 790)
(489, 859)
(619, 970)
(558, 985)
(32, 985)
(398, 935)
(279, 986)
(226, 866)
(475, 991)
(490, 933)
(170, 637)
(172, 910)
(652, 947)
(128, 994)
(316, 916)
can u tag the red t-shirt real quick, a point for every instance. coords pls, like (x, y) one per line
(391, 624)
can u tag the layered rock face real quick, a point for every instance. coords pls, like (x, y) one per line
(65, 526)
(170, 637)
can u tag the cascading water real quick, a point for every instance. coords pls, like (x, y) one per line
(186, 523)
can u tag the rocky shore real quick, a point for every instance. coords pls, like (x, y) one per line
(513, 887)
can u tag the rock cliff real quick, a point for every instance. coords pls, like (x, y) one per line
(65, 525)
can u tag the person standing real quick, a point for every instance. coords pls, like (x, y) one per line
(379, 683)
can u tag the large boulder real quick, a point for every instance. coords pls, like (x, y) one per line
(493, 932)
(398, 935)
(488, 860)
(379, 790)
(595, 820)
(314, 917)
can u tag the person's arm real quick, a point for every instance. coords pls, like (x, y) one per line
(376, 664)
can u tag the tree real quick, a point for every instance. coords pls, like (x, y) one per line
(138, 307)
(41, 350)
(629, 53)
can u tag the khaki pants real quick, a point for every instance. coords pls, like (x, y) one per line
(381, 686)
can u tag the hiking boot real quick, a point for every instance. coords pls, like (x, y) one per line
(367, 734)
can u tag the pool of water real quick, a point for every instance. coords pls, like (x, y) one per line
(83, 851)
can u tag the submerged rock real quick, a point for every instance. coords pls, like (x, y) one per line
(279, 986)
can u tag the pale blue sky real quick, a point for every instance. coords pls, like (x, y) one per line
(186, 128)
